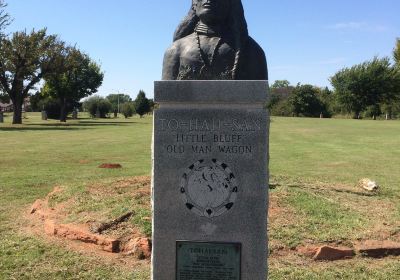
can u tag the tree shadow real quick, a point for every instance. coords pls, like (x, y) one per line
(72, 125)
(39, 128)
(354, 192)
(104, 123)
(82, 123)
(332, 189)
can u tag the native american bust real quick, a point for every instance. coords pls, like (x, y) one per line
(212, 43)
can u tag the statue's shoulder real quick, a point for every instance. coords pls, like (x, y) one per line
(255, 61)
(172, 57)
(254, 49)
(178, 45)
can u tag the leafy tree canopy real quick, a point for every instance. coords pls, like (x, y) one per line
(280, 84)
(118, 98)
(5, 18)
(128, 109)
(396, 52)
(142, 105)
(75, 77)
(97, 104)
(366, 84)
(305, 102)
(25, 58)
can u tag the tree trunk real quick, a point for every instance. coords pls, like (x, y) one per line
(63, 111)
(389, 114)
(17, 104)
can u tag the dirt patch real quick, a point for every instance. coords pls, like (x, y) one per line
(328, 253)
(110, 165)
(123, 240)
(379, 210)
(80, 233)
(282, 218)
(117, 238)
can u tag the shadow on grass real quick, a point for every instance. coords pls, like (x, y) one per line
(331, 189)
(37, 128)
(103, 123)
(79, 124)
(354, 192)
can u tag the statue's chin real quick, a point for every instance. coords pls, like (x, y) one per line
(209, 17)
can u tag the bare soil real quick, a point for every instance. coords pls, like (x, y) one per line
(139, 188)
(125, 232)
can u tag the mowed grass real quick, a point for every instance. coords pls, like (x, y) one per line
(314, 163)
(336, 151)
(37, 156)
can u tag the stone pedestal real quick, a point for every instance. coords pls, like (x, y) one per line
(210, 180)
(44, 116)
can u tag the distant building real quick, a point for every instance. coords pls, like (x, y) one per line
(6, 107)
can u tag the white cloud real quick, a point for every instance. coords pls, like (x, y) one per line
(357, 26)
(347, 25)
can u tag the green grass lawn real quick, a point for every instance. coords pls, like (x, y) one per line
(314, 163)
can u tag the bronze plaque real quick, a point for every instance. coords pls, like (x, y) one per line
(208, 261)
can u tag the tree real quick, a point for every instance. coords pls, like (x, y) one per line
(4, 22)
(50, 105)
(75, 77)
(305, 102)
(117, 100)
(128, 109)
(280, 84)
(5, 18)
(278, 98)
(96, 104)
(366, 84)
(396, 52)
(327, 98)
(152, 105)
(24, 60)
(142, 105)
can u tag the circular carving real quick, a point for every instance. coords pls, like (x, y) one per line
(209, 189)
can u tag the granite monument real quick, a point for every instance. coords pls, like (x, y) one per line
(44, 115)
(210, 150)
(75, 114)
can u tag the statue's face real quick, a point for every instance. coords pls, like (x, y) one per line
(212, 11)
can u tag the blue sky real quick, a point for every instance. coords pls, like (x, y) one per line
(305, 41)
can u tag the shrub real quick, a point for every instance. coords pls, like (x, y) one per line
(128, 109)
(142, 105)
(94, 103)
(305, 102)
(51, 106)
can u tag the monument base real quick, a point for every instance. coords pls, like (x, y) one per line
(210, 180)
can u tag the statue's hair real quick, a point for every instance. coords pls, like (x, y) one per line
(235, 25)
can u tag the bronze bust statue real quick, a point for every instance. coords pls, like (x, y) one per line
(212, 43)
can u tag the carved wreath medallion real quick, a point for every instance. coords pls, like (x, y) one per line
(209, 189)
